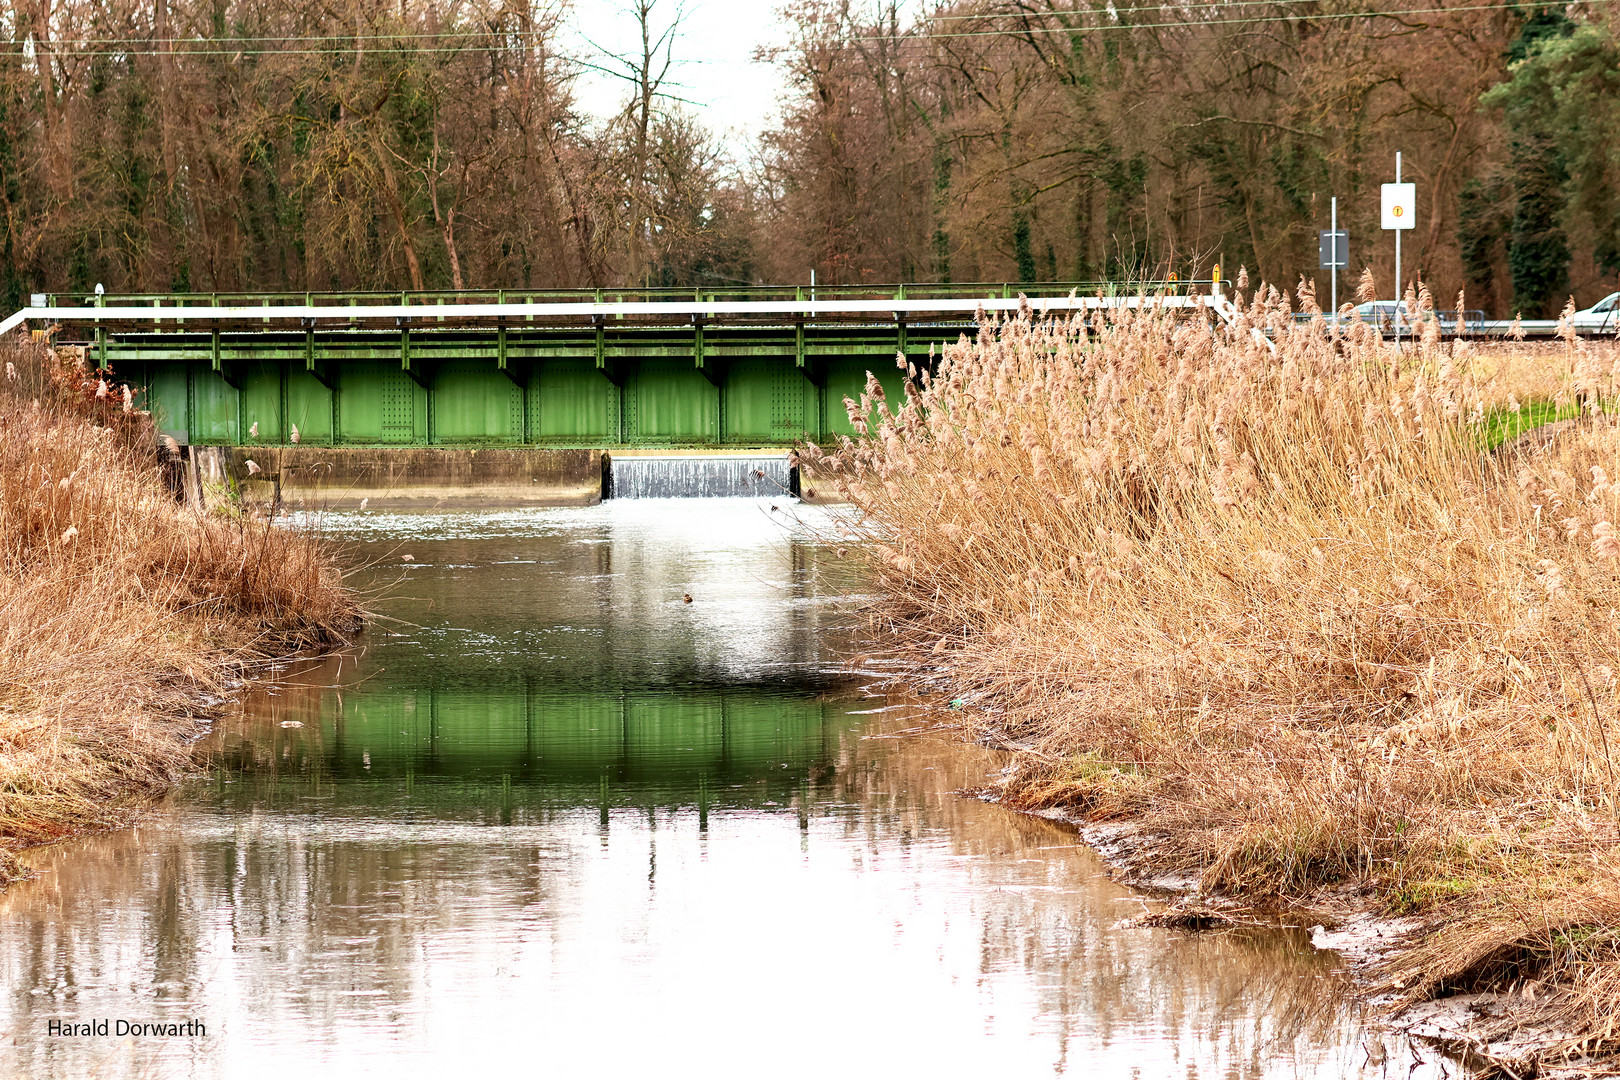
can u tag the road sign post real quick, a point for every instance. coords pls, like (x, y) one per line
(1333, 251)
(1398, 206)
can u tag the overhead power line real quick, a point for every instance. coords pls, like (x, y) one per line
(477, 40)
(1187, 6)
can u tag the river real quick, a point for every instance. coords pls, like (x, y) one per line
(598, 796)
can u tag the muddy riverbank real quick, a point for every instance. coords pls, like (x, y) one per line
(124, 615)
(1491, 1032)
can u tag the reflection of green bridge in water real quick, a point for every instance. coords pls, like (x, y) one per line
(541, 735)
(744, 745)
(661, 368)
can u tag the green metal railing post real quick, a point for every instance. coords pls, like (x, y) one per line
(101, 336)
(600, 323)
(312, 363)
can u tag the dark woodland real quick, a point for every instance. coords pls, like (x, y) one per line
(228, 145)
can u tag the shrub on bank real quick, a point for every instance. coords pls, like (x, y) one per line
(1274, 598)
(120, 608)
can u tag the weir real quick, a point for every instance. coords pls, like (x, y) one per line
(707, 476)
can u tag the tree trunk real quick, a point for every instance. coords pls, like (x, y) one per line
(396, 206)
(450, 248)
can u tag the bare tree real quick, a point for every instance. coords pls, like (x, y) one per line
(646, 69)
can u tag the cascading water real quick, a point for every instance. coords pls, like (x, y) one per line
(746, 476)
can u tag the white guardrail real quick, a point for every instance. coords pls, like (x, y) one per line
(302, 316)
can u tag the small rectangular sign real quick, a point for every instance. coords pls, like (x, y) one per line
(1333, 249)
(1398, 203)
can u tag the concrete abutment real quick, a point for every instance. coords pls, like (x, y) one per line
(325, 477)
(405, 477)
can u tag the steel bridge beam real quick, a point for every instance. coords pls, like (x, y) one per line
(584, 374)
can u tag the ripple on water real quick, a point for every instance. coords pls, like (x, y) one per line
(567, 821)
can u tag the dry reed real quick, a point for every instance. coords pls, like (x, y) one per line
(121, 611)
(1285, 610)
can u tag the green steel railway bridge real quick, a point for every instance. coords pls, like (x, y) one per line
(749, 367)
(519, 398)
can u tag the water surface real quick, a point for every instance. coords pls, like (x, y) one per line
(557, 816)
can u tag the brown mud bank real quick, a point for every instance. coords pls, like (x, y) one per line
(1500, 1031)
(124, 614)
(1264, 596)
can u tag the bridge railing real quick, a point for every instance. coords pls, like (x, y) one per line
(659, 310)
(825, 293)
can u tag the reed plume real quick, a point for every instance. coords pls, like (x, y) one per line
(1288, 611)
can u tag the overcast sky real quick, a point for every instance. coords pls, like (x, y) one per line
(716, 71)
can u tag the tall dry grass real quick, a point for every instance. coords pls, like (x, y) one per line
(1284, 608)
(121, 610)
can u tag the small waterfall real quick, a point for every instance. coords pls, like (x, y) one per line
(708, 476)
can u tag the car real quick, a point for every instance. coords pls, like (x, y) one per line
(1389, 313)
(1385, 313)
(1382, 312)
(1602, 317)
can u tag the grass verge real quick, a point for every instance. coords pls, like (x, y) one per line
(123, 614)
(1276, 605)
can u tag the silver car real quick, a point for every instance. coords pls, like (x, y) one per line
(1602, 317)
(1390, 313)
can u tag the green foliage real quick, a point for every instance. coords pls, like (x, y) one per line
(1129, 256)
(1501, 426)
(1543, 24)
(1484, 212)
(1023, 256)
(13, 284)
(1582, 71)
(1562, 102)
(1538, 253)
(1416, 897)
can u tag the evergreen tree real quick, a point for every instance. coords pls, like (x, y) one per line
(1538, 249)
(1484, 213)
(1538, 253)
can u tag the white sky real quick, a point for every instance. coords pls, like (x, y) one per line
(715, 68)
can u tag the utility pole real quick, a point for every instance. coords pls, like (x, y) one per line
(1334, 252)
(1398, 203)
(1334, 226)
(1400, 290)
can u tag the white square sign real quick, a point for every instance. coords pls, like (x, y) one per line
(1399, 205)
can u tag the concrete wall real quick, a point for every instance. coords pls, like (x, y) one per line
(400, 477)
